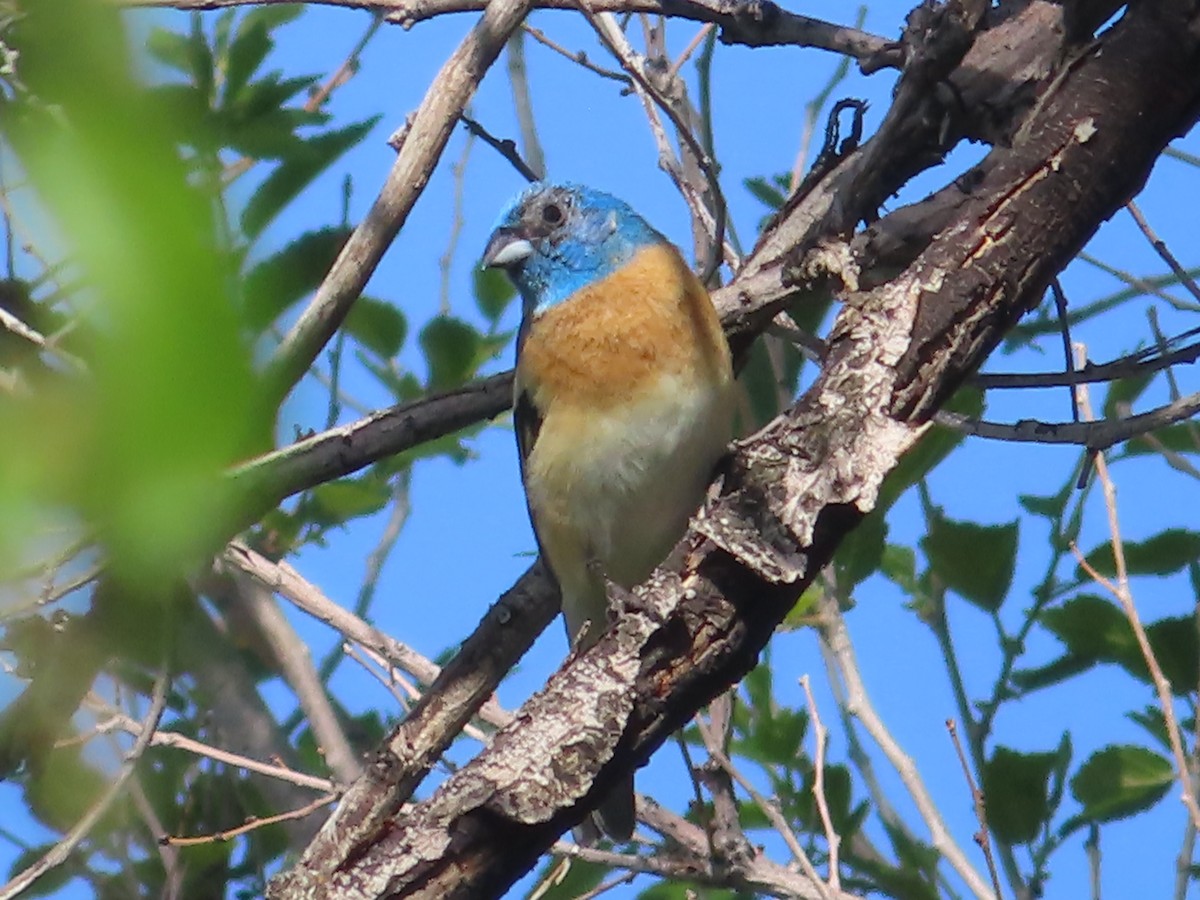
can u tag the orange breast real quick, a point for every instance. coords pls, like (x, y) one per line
(613, 339)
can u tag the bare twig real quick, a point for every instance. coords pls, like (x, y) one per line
(115, 720)
(518, 79)
(836, 636)
(1102, 433)
(506, 147)
(1124, 596)
(820, 736)
(577, 56)
(295, 664)
(741, 23)
(979, 802)
(251, 824)
(1161, 248)
(423, 141)
(58, 854)
(771, 810)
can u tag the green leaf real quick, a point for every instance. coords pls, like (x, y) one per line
(272, 16)
(1016, 790)
(1155, 724)
(267, 135)
(201, 57)
(1123, 392)
(377, 325)
(283, 278)
(296, 172)
(269, 95)
(1178, 438)
(247, 52)
(171, 48)
(336, 502)
(451, 350)
(976, 561)
(770, 195)
(493, 293)
(860, 553)
(1066, 666)
(1048, 507)
(1164, 553)
(1176, 646)
(1092, 628)
(933, 447)
(899, 565)
(1120, 781)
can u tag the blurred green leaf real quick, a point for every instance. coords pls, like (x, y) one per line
(1164, 553)
(62, 788)
(976, 561)
(860, 553)
(246, 53)
(1092, 628)
(1016, 789)
(140, 449)
(451, 349)
(1048, 507)
(377, 325)
(1155, 724)
(289, 275)
(933, 447)
(336, 502)
(770, 193)
(297, 171)
(1124, 392)
(1120, 781)
(579, 879)
(172, 49)
(493, 293)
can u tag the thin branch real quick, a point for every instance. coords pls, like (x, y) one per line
(295, 665)
(858, 703)
(424, 139)
(1097, 434)
(506, 147)
(771, 810)
(58, 854)
(251, 824)
(577, 56)
(1124, 596)
(978, 801)
(1160, 247)
(820, 737)
(745, 23)
(114, 720)
(518, 79)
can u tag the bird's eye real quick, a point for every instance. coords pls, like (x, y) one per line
(552, 214)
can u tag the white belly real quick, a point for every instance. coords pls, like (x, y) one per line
(631, 479)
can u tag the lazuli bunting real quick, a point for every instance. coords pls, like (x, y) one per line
(623, 399)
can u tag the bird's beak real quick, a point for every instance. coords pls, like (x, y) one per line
(506, 249)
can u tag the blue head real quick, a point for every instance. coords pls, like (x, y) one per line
(557, 238)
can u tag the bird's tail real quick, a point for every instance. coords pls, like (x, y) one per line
(616, 815)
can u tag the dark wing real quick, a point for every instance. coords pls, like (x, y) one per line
(527, 423)
(527, 420)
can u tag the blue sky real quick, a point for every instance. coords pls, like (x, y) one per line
(468, 538)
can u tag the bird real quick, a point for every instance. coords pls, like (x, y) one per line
(623, 400)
